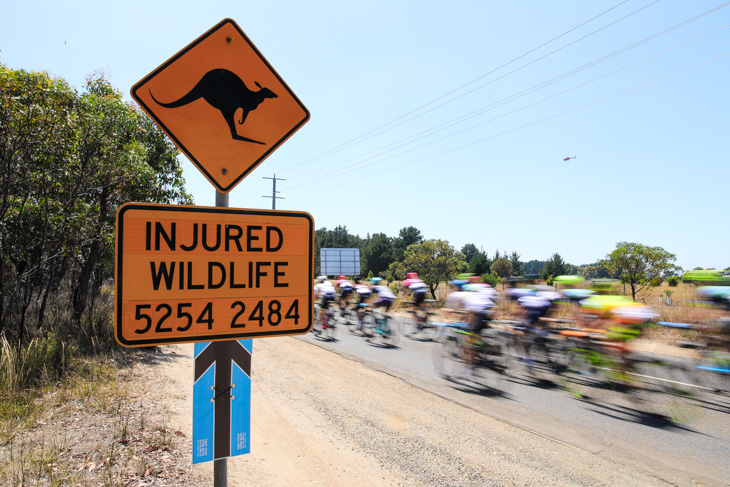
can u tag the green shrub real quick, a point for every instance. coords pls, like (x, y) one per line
(491, 279)
(673, 281)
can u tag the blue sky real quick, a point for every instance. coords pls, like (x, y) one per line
(455, 117)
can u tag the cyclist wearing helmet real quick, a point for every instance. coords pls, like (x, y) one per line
(325, 291)
(479, 305)
(346, 289)
(318, 285)
(386, 297)
(363, 293)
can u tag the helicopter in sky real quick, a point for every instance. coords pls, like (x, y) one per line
(569, 158)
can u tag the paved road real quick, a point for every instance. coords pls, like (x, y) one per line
(611, 427)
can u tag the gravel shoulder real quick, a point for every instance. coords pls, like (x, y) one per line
(319, 418)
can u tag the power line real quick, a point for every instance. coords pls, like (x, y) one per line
(249, 199)
(371, 132)
(500, 77)
(492, 81)
(527, 124)
(510, 98)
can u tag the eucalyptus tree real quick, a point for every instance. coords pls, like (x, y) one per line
(68, 160)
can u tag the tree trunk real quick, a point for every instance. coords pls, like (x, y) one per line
(2, 289)
(46, 293)
(81, 293)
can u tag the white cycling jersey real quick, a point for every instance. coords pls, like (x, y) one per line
(323, 289)
(385, 292)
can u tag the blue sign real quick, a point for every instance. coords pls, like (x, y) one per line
(222, 400)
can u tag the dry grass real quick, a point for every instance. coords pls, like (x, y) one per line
(685, 307)
(95, 428)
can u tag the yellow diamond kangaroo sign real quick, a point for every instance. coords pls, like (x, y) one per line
(222, 104)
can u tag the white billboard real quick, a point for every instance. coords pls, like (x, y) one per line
(339, 262)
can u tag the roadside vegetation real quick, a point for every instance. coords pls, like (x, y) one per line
(68, 160)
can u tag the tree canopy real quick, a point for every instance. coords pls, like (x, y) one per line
(555, 266)
(469, 250)
(502, 267)
(68, 160)
(517, 266)
(377, 254)
(435, 261)
(533, 267)
(637, 264)
(377, 251)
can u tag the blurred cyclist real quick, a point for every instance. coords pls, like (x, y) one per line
(479, 309)
(363, 294)
(385, 299)
(325, 291)
(346, 290)
(533, 312)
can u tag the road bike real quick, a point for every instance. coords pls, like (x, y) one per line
(539, 352)
(325, 327)
(465, 356)
(711, 369)
(346, 315)
(379, 327)
(605, 371)
(420, 327)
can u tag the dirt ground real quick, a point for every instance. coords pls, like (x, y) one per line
(321, 419)
(317, 419)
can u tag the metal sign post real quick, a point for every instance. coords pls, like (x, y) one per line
(187, 274)
(220, 465)
(222, 401)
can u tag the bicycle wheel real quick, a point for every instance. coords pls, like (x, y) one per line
(420, 329)
(448, 357)
(330, 331)
(588, 374)
(658, 388)
(316, 328)
(390, 332)
(579, 378)
(350, 320)
(550, 359)
(493, 360)
(368, 326)
(429, 331)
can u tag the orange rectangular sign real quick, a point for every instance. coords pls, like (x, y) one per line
(194, 274)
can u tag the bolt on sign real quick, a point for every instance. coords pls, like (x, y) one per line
(222, 400)
(193, 274)
(222, 104)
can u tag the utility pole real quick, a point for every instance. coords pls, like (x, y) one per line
(273, 194)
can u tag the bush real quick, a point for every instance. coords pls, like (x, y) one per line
(673, 281)
(657, 281)
(491, 279)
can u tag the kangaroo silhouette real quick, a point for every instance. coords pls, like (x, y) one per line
(224, 90)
